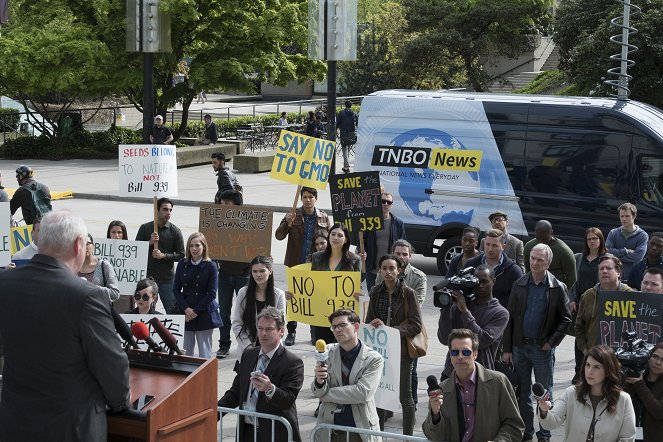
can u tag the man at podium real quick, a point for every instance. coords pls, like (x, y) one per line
(269, 381)
(63, 361)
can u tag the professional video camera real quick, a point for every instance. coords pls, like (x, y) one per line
(633, 355)
(466, 282)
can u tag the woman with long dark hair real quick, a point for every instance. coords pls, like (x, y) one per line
(596, 408)
(647, 391)
(99, 272)
(336, 257)
(251, 299)
(117, 230)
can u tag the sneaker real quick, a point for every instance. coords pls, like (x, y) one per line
(222, 353)
(290, 339)
(544, 439)
(388, 414)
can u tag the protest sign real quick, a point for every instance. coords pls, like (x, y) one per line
(357, 201)
(386, 341)
(173, 323)
(128, 258)
(21, 236)
(629, 311)
(302, 160)
(5, 237)
(236, 233)
(147, 170)
(317, 294)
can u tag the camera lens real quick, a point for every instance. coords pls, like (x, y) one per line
(443, 299)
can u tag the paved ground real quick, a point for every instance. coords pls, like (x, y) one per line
(98, 181)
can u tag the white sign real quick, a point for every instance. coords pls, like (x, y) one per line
(386, 341)
(128, 258)
(173, 323)
(5, 239)
(147, 170)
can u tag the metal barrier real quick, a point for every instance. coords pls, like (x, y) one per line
(242, 413)
(347, 430)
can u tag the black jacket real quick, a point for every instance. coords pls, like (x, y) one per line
(505, 275)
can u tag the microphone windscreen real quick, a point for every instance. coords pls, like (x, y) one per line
(431, 380)
(320, 345)
(140, 330)
(166, 336)
(538, 390)
(123, 329)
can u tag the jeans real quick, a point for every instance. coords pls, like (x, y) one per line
(415, 381)
(229, 285)
(526, 358)
(166, 295)
(405, 396)
(346, 159)
(204, 340)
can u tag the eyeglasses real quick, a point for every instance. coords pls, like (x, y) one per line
(499, 220)
(144, 296)
(466, 352)
(387, 202)
(595, 238)
(340, 326)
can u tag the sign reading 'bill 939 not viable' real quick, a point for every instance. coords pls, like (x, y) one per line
(147, 170)
(302, 160)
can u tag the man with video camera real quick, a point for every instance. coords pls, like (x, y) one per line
(476, 309)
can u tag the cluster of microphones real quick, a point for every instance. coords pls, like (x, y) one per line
(140, 331)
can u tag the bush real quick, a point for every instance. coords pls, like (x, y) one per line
(82, 144)
(9, 119)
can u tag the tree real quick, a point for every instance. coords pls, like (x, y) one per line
(582, 32)
(448, 37)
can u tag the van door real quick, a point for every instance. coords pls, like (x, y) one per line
(646, 185)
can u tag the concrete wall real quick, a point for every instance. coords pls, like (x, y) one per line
(293, 91)
(530, 61)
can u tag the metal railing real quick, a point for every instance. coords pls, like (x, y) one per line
(243, 413)
(348, 430)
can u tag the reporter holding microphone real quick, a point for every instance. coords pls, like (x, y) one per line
(490, 409)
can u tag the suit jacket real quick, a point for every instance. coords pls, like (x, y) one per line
(66, 365)
(286, 372)
(359, 393)
(496, 415)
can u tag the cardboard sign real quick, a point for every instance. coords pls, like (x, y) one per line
(357, 201)
(21, 237)
(128, 259)
(629, 311)
(236, 233)
(5, 237)
(147, 170)
(303, 160)
(317, 294)
(173, 323)
(386, 341)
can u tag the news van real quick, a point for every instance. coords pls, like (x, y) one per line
(452, 158)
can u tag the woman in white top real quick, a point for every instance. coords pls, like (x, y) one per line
(251, 299)
(596, 408)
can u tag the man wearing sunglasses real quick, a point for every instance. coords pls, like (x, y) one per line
(485, 397)
(380, 242)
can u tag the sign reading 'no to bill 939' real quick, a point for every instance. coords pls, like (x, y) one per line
(303, 160)
(147, 170)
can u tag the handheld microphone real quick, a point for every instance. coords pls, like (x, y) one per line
(433, 385)
(538, 391)
(165, 335)
(122, 329)
(141, 332)
(321, 354)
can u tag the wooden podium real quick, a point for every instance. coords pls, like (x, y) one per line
(184, 407)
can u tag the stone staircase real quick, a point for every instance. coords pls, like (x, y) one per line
(522, 79)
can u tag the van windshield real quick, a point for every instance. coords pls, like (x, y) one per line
(651, 180)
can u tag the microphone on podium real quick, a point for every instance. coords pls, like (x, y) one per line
(321, 354)
(122, 329)
(141, 332)
(165, 335)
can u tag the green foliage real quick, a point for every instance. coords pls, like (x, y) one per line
(544, 83)
(81, 144)
(9, 119)
(582, 32)
(449, 37)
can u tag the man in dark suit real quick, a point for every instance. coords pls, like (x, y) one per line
(63, 361)
(274, 390)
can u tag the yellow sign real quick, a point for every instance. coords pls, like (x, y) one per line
(21, 237)
(302, 160)
(456, 159)
(317, 294)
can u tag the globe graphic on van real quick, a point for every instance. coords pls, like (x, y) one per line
(413, 182)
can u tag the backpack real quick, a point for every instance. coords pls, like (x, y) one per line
(41, 201)
(235, 182)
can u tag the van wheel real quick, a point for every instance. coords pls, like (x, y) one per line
(448, 251)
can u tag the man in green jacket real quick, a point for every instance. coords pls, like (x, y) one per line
(563, 265)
